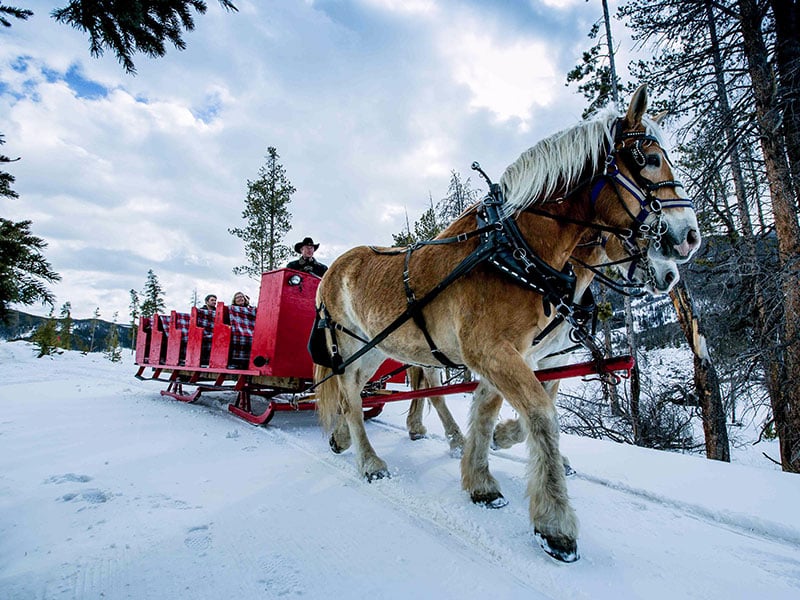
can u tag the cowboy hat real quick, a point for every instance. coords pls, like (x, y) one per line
(306, 242)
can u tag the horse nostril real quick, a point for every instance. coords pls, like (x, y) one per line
(693, 237)
(669, 277)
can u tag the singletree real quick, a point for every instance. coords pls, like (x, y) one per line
(267, 218)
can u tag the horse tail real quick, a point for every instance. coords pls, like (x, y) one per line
(330, 400)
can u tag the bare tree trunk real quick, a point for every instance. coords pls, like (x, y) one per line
(786, 402)
(706, 382)
(635, 386)
(787, 59)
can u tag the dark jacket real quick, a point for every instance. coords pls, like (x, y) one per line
(310, 265)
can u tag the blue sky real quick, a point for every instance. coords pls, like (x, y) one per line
(370, 103)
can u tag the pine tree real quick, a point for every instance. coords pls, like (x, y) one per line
(267, 219)
(134, 309)
(134, 25)
(112, 350)
(23, 268)
(45, 337)
(65, 327)
(405, 238)
(460, 196)
(95, 320)
(12, 11)
(153, 296)
(428, 226)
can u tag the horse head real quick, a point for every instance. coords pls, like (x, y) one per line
(638, 193)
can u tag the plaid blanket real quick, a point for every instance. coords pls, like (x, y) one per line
(205, 319)
(182, 321)
(165, 319)
(243, 320)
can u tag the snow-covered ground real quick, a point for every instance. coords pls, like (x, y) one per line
(109, 490)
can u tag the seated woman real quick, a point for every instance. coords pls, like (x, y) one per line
(240, 299)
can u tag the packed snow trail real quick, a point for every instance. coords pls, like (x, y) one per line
(109, 490)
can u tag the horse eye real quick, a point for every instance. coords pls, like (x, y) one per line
(653, 160)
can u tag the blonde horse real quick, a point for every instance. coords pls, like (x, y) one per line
(589, 256)
(482, 299)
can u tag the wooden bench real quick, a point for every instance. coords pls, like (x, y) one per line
(177, 338)
(159, 328)
(143, 341)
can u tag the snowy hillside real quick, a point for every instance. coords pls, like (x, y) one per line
(109, 490)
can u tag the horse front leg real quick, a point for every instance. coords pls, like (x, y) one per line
(554, 520)
(475, 475)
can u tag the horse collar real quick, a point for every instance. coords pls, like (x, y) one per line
(512, 255)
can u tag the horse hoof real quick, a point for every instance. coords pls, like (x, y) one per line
(376, 475)
(562, 549)
(337, 449)
(414, 435)
(489, 500)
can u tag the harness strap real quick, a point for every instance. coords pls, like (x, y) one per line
(465, 266)
(419, 318)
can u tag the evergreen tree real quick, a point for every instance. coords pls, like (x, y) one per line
(95, 319)
(45, 338)
(428, 226)
(153, 296)
(460, 196)
(134, 309)
(23, 268)
(112, 350)
(12, 11)
(405, 238)
(267, 219)
(134, 25)
(65, 327)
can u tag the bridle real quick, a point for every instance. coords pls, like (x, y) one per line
(628, 147)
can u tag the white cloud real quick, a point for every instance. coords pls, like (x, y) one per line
(506, 75)
(371, 104)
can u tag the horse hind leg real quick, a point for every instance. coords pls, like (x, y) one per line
(510, 432)
(430, 377)
(416, 429)
(340, 411)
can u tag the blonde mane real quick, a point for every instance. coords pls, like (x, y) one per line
(558, 162)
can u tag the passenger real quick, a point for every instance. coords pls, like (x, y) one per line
(211, 302)
(307, 262)
(240, 299)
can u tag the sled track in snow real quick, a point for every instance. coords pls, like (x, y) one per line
(740, 523)
(452, 522)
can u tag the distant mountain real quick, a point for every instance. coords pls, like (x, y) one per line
(20, 326)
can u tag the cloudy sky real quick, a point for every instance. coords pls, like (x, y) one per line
(370, 103)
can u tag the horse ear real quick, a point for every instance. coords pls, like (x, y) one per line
(637, 107)
(659, 118)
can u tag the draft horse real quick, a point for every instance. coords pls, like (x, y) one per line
(497, 278)
(551, 348)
